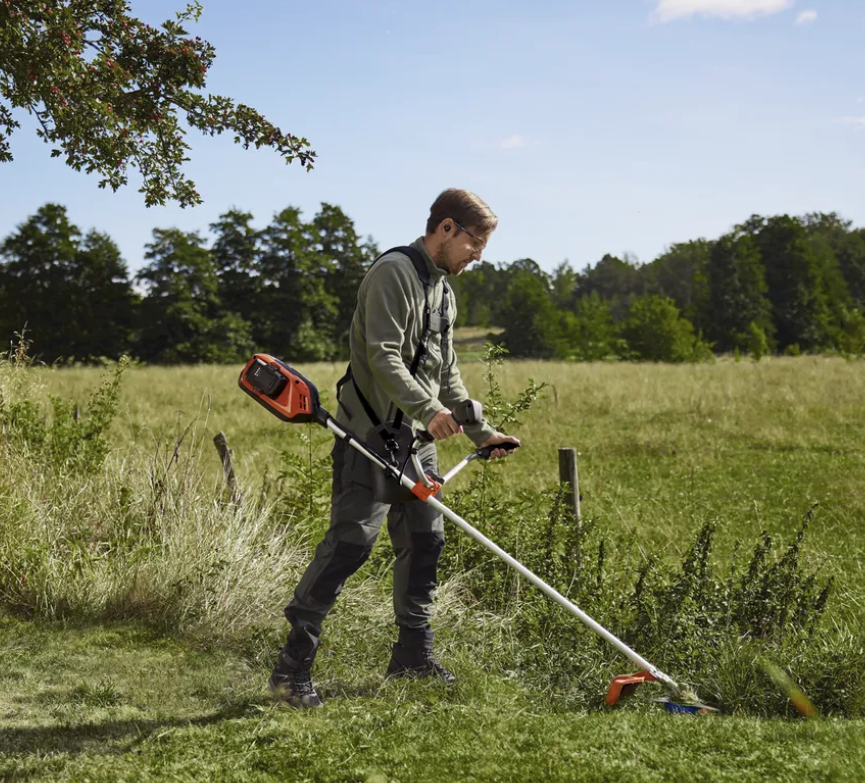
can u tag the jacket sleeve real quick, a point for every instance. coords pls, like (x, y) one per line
(387, 312)
(453, 390)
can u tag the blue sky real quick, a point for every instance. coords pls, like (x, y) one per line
(588, 126)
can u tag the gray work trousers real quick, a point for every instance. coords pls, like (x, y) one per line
(416, 533)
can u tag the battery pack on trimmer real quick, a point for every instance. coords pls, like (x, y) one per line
(281, 389)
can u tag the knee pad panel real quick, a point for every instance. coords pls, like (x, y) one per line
(347, 558)
(426, 548)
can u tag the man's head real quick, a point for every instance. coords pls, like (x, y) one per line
(458, 229)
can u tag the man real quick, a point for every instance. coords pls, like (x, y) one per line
(403, 302)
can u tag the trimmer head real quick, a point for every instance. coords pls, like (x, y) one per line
(685, 708)
(625, 684)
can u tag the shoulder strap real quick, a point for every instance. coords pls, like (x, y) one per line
(424, 276)
(415, 257)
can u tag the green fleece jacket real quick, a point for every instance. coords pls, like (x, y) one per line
(385, 332)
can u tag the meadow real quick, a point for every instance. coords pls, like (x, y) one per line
(141, 609)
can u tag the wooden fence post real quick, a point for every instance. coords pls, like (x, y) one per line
(568, 475)
(221, 443)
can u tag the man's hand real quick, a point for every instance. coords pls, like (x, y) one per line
(498, 438)
(443, 425)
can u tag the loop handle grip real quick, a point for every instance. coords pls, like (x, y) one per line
(485, 452)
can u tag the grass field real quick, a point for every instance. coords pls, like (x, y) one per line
(660, 447)
(89, 693)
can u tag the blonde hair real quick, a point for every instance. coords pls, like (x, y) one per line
(463, 207)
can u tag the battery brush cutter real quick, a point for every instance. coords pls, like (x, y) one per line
(294, 398)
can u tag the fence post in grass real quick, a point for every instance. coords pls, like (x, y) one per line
(221, 443)
(568, 475)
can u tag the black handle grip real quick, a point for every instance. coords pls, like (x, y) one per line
(485, 452)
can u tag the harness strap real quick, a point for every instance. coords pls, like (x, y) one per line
(441, 322)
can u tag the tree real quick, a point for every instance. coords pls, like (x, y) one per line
(796, 284)
(737, 293)
(532, 323)
(757, 342)
(834, 236)
(594, 335)
(827, 238)
(300, 314)
(678, 274)
(73, 295)
(183, 320)
(851, 257)
(614, 279)
(850, 337)
(103, 307)
(334, 238)
(35, 280)
(236, 256)
(108, 89)
(564, 286)
(655, 331)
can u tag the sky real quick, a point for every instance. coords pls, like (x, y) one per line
(589, 127)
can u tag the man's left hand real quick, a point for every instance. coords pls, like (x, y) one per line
(499, 438)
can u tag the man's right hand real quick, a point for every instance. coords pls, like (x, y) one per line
(443, 425)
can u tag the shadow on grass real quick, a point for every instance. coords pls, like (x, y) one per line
(106, 738)
(116, 737)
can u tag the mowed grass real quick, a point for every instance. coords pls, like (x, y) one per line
(749, 445)
(118, 703)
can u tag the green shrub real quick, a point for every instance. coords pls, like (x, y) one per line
(67, 439)
(757, 342)
(591, 332)
(850, 335)
(694, 620)
(533, 325)
(655, 331)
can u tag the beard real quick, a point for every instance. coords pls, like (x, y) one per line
(443, 260)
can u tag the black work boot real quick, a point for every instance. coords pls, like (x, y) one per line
(291, 679)
(412, 656)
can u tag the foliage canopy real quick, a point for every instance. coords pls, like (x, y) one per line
(110, 91)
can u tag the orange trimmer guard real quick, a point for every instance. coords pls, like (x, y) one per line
(626, 684)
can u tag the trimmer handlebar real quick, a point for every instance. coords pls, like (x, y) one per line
(485, 452)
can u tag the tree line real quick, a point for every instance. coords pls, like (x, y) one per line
(288, 289)
(772, 284)
(777, 284)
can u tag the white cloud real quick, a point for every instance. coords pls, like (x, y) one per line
(512, 142)
(668, 10)
(806, 16)
(858, 121)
